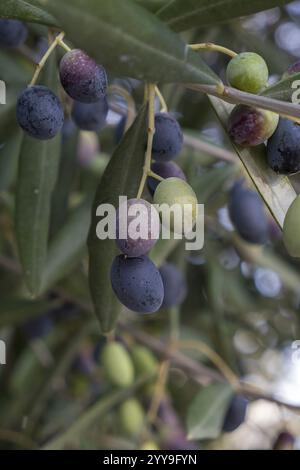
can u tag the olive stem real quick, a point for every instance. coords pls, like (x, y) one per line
(131, 109)
(164, 106)
(203, 348)
(64, 45)
(151, 130)
(45, 57)
(155, 176)
(209, 46)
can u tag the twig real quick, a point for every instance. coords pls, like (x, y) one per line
(211, 149)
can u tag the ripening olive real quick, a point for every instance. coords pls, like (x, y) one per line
(291, 229)
(248, 72)
(117, 365)
(179, 194)
(248, 126)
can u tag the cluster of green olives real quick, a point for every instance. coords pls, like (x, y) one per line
(137, 282)
(122, 368)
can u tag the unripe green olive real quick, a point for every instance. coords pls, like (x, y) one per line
(248, 72)
(291, 229)
(118, 365)
(131, 416)
(144, 361)
(173, 191)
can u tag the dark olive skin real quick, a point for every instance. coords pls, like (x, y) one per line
(294, 68)
(248, 126)
(283, 148)
(168, 138)
(236, 413)
(137, 283)
(247, 214)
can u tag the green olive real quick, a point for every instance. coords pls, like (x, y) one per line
(174, 191)
(291, 229)
(149, 445)
(144, 361)
(248, 72)
(117, 365)
(131, 416)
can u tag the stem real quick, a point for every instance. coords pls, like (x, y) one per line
(209, 46)
(64, 45)
(209, 148)
(154, 175)
(164, 106)
(131, 109)
(203, 348)
(151, 130)
(44, 59)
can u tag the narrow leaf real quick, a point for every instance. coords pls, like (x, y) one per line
(181, 15)
(121, 177)
(207, 411)
(16, 311)
(36, 179)
(283, 89)
(68, 246)
(24, 11)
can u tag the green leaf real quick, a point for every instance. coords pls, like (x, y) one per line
(283, 90)
(207, 411)
(68, 246)
(20, 10)
(9, 156)
(67, 168)
(182, 15)
(121, 177)
(134, 42)
(152, 5)
(38, 169)
(277, 191)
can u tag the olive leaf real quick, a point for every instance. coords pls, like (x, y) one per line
(283, 90)
(276, 190)
(181, 15)
(9, 155)
(15, 311)
(68, 245)
(207, 411)
(134, 42)
(38, 167)
(121, 177)
(21, 10)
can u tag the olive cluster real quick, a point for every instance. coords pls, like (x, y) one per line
(137, 282)
(39, 111)
(121, 369)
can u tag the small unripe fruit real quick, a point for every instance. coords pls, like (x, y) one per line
(174, 285)
(291, 229)
(248, 126)
(39, 112)
(137, 283)
(90, 116)
(168, 138)
(145, 363)
(82, 78)
(174, 191)
(235, 414)
(138, 224)
(117, 365)
(283, 148)
(247, 214)
(165, 170)
(248, 72)
(132, 417)
(13, 33)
